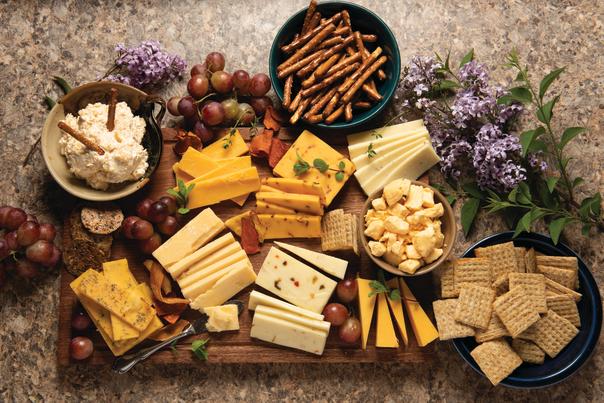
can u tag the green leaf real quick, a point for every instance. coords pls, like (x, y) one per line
(524, 194)
(451, 199)
(521, 94)
(545, 113)
(446, 85)
(548, 80)
(498, 205)
(473, 190)
(467, 58)
(585, 229)
(61, 82)
(342, 165)
(182, 189)
(199, 348)
(505, 100)
(556, 227)
(577, 181)
(183, 210)
(528, 137)
(339, 176)
(321, 165)
(551, 184)
(569, 134)
(395, 294)
(513, 195)
(468, 214)
(377, 288)
(596, 204)
(50, 103)
(519, 76)
(190, 188)
(547, 198)
(176, 195)
(524, 224)
(537, 145)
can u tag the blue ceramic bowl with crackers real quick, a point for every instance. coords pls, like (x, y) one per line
(575, 352)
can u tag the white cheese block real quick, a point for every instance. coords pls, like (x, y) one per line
(193, 290)
(378, 163)
(229, 285)
(359, 151)
(329, 264)
(257, 298)
(320, 325)
(215, 257)
(284, 333)
(184, 282)
(179, 267)
(386, 132)
(294, 281)
(222, 318)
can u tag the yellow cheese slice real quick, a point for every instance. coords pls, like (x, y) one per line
(390, 132)
(424, 330)
(179, 174)
(269, 208)
(117, 271)
(385, 335)
(215, 190)
(222, 318)
(266, 188)
(396, 306)
(257, 298)
(309, 147)
(179, 268)
(99, 315)
(306, 204)
(213, 259)
(194, 163)
(194, 290)
(320, 325)
(289, 185)
(236, 148)
(212, 268)
(277, 226)
(240, 200)
(229, 285)
(204, 227)
(366, 308)
(388, 152)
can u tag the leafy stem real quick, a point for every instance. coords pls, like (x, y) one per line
(181, 196)
(301, 166)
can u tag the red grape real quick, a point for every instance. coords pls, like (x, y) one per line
(127, 226)
(213, 113)
(350, 331)
(199, 69)
(11, 240)
(205, 135)
(54, 259)
(187, 107)
(28, 233)
(142, 229)
(80, 348)
(32, 218)
(48, 232)
(246, 114)
(39, 252)
(14, 218)
(148, 246)
(4, 249)
(142, 208)
(80, 321)
(169, 226)
(215, 61)
(198, 86)
(222, 82)
(335, 313)
(260, 104)
(231, 108)
(170, 202)
(158, 212)
(259, 85)
(173, 106)
(4, 210)
(27, 269)
(347, 290)
(241, 81)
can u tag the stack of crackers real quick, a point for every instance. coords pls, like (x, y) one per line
(339, 232)
(504, 294)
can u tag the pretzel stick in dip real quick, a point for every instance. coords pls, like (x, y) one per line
(287, 91)
(359, 82)
(298, 113)
(111, 112)
(295, 102)
(91, 145)
(323, 67)
(303, 39)
(310, 13)
(329, 80)
(366, 63)
(335, 115)
(312, 66)
(348, 112)
(299, 64)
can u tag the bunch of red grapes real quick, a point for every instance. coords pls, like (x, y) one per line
(336, 313)
(27, 247)
(215, 95)
(81, 346)
(141, 227)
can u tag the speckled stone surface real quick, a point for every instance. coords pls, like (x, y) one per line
(75, 39)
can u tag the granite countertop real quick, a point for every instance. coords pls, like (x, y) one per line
(75, 39)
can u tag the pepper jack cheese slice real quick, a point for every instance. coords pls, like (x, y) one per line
(205, 226)
(229, 285)
(307, 204)
(329, 264)
(117, 272)
(269, 208)
(276, 226)
(366, 308)
(424, 330)
(214, 190)
(385, 335)
(289, 185)
(180, 267)
(294, 281)
(236, 148)
(222, 318)
(257, 298)
(320, 325)
(396, 306)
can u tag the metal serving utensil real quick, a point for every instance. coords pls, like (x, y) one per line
(126, 362)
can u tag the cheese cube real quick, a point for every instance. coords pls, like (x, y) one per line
(415, 197)
(424, 241)
(409, 266)
(427, 197)
(396, 225)
(411, 252)
(375, 229)
(436, 253)
(377, 248)
(379, 203)
(394, 191)
(222, 318)
(398, 210)
(392, 258)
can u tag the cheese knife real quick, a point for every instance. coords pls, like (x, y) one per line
(125, 363)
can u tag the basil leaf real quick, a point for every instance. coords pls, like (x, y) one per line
(468, 214)
(548, 80)
(556, 227)
(321, 165)
(342, 165)
(568, 135)
(183, 211)
(395, 294)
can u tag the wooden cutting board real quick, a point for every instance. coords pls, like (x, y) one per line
(238, 347)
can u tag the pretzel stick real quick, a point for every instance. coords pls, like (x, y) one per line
(329, 80)
(359, 82)
(303, 39)
(342, 63)
(348, 112)
(369, 38)
(336, 114)
(346, 18)
(371, 91)
(316, 98)
(287, 91)
(324, 66)
(296, 101)
(310, 13)
(111, 112)
(331, 42)
(350, 51)
(380, 73)
(79, 136)
(341, 31)
(299, 64)
(358, 38)
(326, 55)
(331, 105)
(361, 105)
(314, 22)
(298, 113)
(322, 101)
(366, 63)
(310, 45)
(313, 118)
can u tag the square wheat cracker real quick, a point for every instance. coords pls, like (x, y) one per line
(563, 262)
(553, 287)
(535, 285)
(448, 327)
(501, 285)
(447, 281)
(495, 330)
(528, 351)
(503, 258)
(496, 359)
(472, 270)
(516, 310)
(530, 262)
(553, 333)
(565, 277)
(520, 252)
(566, 307)
(475, 305)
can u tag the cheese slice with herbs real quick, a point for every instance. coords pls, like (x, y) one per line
(228, 146)
(294, 281)
(304, 204)
(180, 267)
(423, 328)
(277, 226)
(385, 335)
(100, 316)
(329, 264)
(388, 151)
(366, 309)
(257, 298)
(118, 272)
(365, 137)
(289, 185)
(234, 281)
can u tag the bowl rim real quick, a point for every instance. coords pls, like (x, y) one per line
(90, 194)
(396, 70)
(448, 218)
(588, 348)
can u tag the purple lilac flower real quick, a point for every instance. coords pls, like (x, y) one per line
(507, 112)
(474, 75)
(468, 106)
(536, 161)
(421, 74)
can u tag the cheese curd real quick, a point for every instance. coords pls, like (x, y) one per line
(125, 158)
(404, 226)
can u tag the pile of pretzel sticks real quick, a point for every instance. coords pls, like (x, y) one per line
(335, 71)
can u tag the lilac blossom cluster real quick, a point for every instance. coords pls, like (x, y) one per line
(470, 131)
(146, 65)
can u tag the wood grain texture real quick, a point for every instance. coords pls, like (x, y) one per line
(238, 347)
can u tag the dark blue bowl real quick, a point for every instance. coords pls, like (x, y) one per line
(573, 356)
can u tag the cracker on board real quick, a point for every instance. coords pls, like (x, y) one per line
(496, 359)
(447, 281)
(528, 351)
(475, 305)
(503, 258)
(83, 250)
(552, 287)
(516, 310)
(473, 271)
(530, 262)
(520, 252)
(566, 307)
(337, 231)
(535, 285)
(501, 285)
(565, 277)
(553, 333)
(495, 330)
(448, 327)
(102, 218)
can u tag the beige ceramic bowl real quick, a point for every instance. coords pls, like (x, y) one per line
(142, 105)
(448, 229)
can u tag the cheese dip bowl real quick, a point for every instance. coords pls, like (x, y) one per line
(128, 162)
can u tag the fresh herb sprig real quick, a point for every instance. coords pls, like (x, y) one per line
(181, 196)
(200, 349)
(301, 166)
(380, 287)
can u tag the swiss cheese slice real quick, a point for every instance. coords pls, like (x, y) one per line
(257, 298)
(291, 185)
(117, 271)
(269, 208)
(329, 264)
(306, 204)
(361, 149)
(385, 335)
(215, 258)
(320, 325)
(229, 285)
(388, 151)
(178, 268)
(366, 308)
(367, 136)
(235, 147)
(214, 190)
(396, 306)
(424, 330)
(213, 268)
